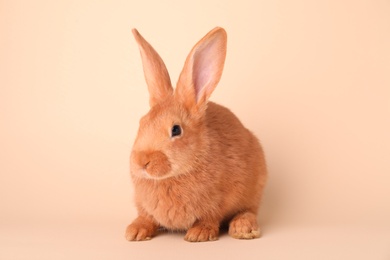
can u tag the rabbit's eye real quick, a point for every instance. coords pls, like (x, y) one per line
(176, 130)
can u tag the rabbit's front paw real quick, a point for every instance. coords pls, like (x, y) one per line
(201, 233)
(141, 229)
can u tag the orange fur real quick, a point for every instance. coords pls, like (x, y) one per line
(214, 172)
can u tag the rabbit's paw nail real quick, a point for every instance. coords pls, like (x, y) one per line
(246, 235)
(201, 234)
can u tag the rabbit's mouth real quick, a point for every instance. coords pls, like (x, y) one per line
(145, 175)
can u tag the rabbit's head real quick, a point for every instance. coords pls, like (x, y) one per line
(172, 138)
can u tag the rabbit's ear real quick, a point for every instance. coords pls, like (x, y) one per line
(202, 70)
(156, 74)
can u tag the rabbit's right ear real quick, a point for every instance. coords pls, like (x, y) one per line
(156, 74)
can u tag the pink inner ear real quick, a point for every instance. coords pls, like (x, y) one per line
(205, 68)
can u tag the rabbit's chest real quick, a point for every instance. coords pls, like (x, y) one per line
(173, 210)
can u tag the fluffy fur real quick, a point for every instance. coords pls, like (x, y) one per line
(213, 173)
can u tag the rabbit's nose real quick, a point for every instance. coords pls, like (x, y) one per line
(146, 164)
(141, 159)
(155, 163)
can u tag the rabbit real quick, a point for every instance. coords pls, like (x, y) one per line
(194, 166)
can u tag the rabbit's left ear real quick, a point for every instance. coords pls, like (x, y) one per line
(202, 70)
(156, 74)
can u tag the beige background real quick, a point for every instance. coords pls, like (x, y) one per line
(310, 78)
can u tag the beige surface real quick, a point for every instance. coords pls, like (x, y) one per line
(310, 78)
